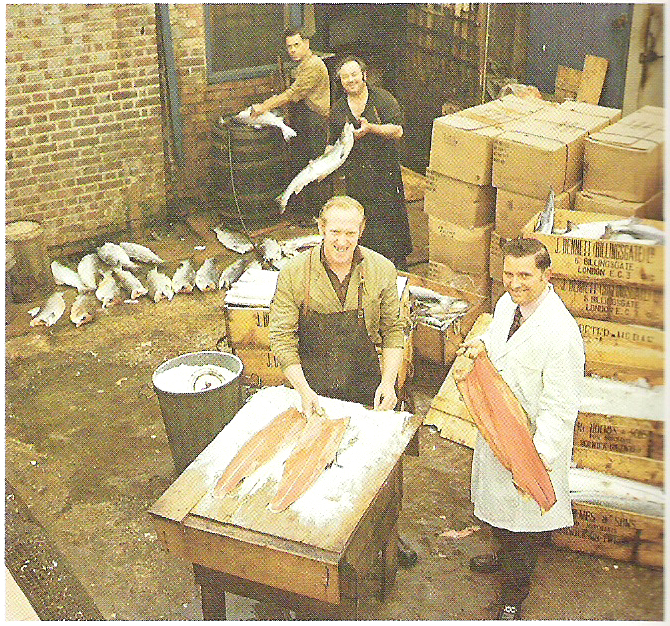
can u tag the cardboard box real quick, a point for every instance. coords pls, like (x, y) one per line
(627, 304)
(441, 273)
(463, 249)
(612, 115)
(497, 290)
(597, 203)
(462, 143)
(462, 203)
(602, 260)
(513, 210)
(434, 344)
(531, 156)
(613, 533)
(625, 160)
(590, 122)
(625, 352)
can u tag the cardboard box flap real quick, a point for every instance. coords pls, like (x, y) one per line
(464, 122)
(574, 119)
(625, 141)
(613, 115)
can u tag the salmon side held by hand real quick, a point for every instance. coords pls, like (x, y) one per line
(502, 421)
(282, 430)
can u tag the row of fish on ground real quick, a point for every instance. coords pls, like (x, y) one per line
(108, 273)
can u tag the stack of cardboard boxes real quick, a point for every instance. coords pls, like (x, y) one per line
(460, 199)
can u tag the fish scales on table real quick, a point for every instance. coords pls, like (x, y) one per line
(234, 271)
(314, 451)
(269, 118)
(88, 270)
(83, 309)
(207, 276)
(183, 280)
(159, 285)
(51, 312)
(112, 254)
(108, 291)
(65, 276)
(233, 240)
(260, 449)
(320, 167)
(130, 283)
(141, 253)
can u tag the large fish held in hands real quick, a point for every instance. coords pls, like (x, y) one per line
(502, 421)
(319, 168)
(266, 119)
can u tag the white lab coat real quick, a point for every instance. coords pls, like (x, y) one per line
(543, 363)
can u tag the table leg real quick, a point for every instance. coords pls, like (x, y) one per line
(389, 562)
(212, 596)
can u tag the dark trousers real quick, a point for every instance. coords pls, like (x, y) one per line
(517, 555)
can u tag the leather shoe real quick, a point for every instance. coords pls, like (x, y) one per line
(406, 555)
(509, 611)
(485, 563)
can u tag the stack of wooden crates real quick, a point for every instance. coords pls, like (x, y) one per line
(614, 290)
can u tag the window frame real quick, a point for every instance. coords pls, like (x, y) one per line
(295, 12)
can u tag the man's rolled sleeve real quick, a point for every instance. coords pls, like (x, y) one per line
(391, 323)
(284, 316)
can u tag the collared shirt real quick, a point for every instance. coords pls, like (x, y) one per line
(341, 287)
(528, 309)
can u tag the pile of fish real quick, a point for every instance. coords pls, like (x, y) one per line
(113, 274)
(630, 230)
(435, 309)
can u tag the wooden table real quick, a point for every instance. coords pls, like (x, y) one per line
(319, 571)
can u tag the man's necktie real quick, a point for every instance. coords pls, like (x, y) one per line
(516, 322)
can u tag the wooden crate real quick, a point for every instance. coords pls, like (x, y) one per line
(261, 367)
(613, 533)
(248, 326)
(440, 346)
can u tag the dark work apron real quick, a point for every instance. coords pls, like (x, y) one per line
(338, 357)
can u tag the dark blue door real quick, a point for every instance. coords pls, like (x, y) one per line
(563, 34)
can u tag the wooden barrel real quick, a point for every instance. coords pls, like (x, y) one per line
(259, 164)
(31, 271)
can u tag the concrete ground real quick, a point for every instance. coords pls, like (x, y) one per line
(87, 455)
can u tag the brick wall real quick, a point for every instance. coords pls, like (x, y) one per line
(202, 103)
(84, 146)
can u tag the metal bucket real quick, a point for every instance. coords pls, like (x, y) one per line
(192, 420)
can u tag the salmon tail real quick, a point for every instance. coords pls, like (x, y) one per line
(281, 202)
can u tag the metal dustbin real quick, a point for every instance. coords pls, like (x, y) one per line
(192, 420)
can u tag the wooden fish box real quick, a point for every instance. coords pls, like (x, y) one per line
(623, 352)
(434, 344)
(261, 367)
(627, 304)
(602, 260)
(248, 326)
(613, 533)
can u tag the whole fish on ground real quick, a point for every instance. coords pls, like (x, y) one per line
(108, 291)
(233, 272)
(207, 276)
(130, 283)
(83, 309)
(268, 118)
(545, 223)
(113, 254)
(320, 167)
(141, 253)
(290, 247)
(51, 312)
(159, 285)
(88, 270)
(65, 276)
(271, 250)
(231, 239)
(183, 280)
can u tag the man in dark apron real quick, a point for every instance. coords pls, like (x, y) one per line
(332, 305)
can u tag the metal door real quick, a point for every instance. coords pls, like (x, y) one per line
(563, 34)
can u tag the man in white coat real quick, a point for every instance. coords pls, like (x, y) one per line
(535, 344)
